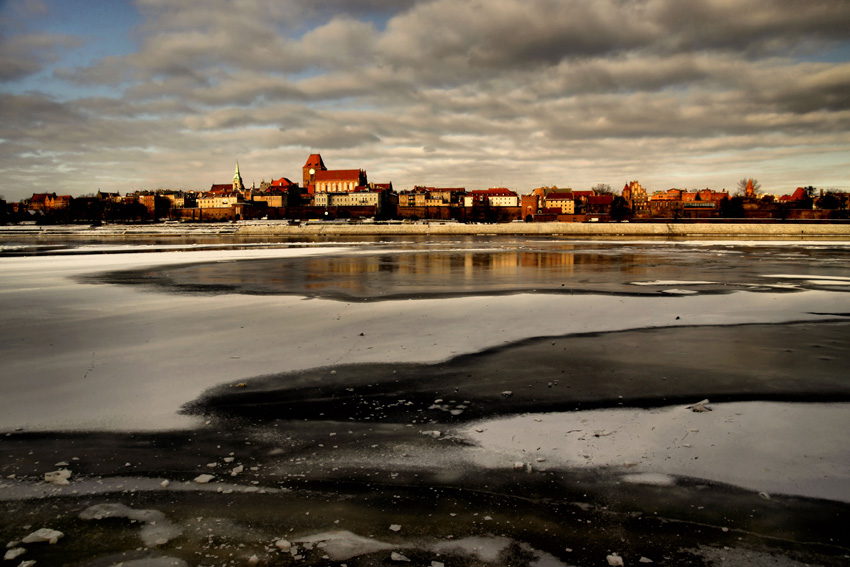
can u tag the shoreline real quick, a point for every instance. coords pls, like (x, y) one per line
(278, 228)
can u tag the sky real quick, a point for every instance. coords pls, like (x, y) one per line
(120, 95)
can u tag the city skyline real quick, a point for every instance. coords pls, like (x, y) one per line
(120, 96)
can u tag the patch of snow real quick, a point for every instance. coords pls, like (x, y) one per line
(736, 443)
(156, 529)
(343, 545)
(485, 548)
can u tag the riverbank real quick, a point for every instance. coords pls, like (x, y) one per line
(583, 230)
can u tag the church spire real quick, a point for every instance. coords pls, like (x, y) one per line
(237, 179)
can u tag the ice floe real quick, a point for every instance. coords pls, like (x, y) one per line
(105, 356)
(342, 545)
(44, 535)
(736, 443)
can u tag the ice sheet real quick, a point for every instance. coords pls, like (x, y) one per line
(98, 357)
(744, 444)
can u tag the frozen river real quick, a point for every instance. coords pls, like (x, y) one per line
(505, 401)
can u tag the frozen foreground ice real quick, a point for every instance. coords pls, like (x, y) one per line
(436, 403)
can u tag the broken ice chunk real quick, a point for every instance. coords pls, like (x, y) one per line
(615, 560)
(58, 477)
(204, 478)
(44, 534)
(14, 553)
(398, 557)
(699, 407)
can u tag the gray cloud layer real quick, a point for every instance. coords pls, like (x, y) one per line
(502, 92)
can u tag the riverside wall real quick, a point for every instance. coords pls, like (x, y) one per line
(564, 229)
(578, 230)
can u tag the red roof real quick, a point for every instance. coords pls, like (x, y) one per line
(221, 188)
(338, 174)
(282, 182)
(600, 200)
(583, 193)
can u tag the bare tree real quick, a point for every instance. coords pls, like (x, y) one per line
(602, 189)
(745, 183)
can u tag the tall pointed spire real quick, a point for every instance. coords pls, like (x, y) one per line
(237, 179)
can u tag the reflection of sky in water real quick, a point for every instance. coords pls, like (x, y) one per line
(441, 268)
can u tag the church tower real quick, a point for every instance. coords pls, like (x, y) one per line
(237, 179)
(314, 164)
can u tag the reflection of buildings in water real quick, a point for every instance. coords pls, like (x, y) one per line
(459, 271)
(340, 273)
(562, 262)
(406, 269)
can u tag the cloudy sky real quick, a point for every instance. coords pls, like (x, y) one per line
(122, 95)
